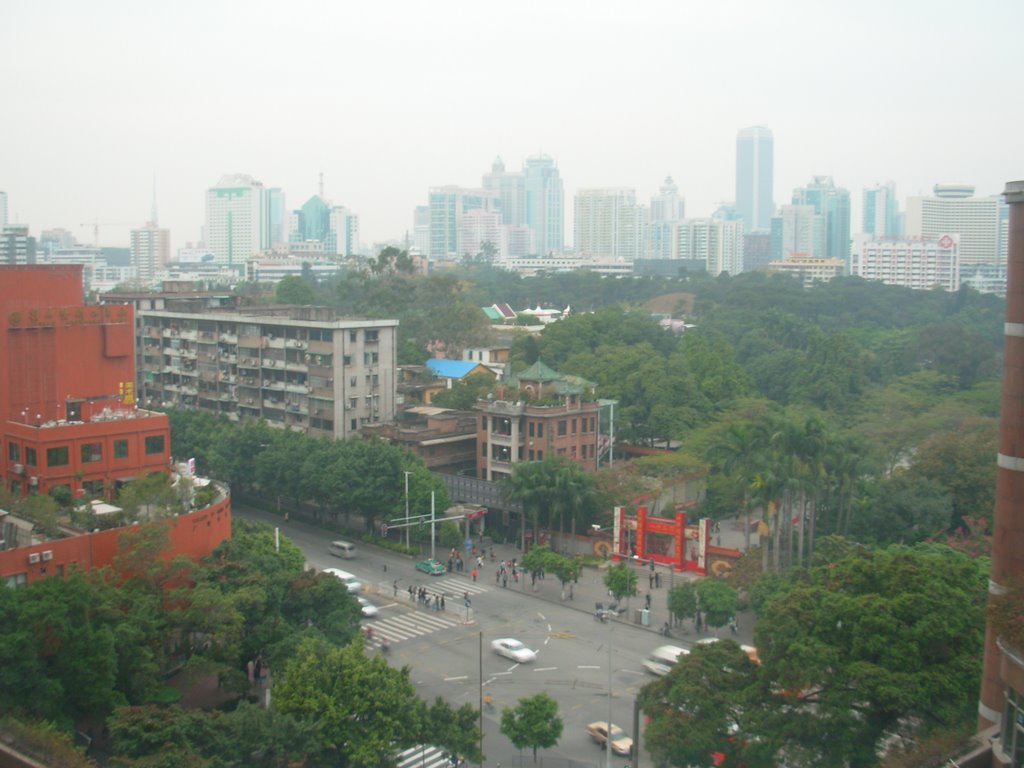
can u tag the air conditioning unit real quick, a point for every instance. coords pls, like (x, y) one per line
(33, 558)
(33, 481)
(19, 469)
(47, 555)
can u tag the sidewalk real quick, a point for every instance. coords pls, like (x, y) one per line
(590, 590)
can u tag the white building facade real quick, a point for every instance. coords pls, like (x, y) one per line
(954, 209)
(238, 223)
(918, 264)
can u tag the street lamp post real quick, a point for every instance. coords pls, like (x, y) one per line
(608, 730)
(407, 473)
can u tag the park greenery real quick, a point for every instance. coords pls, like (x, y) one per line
(861, 649)
(94, 651)
(853, 424)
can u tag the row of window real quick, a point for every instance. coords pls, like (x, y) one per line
(90, 452)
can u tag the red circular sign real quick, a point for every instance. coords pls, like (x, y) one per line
(945, 241)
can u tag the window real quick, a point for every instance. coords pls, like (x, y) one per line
(371, 336)
(531, 429)
(540, 429)
(540, 455)
(154, 444)
(92, 452)
(17, 580)
(94, 488)
(352, 336)
(347, 360)
(120, 449)
(354, 381)
(574, 426)
(57, 457)
(531, 454)
(354, 424)
(483, 450)
(30, 456)
(561, 428)
(13, 451)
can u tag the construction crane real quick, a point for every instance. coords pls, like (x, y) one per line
(96, 224)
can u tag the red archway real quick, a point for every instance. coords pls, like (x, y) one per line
(688, 548)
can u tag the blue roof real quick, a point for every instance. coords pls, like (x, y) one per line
(451, 369)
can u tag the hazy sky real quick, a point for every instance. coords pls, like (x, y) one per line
(390, 98)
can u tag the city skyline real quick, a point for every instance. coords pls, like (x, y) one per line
(377, 102)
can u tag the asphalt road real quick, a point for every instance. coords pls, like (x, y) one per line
(449, 655)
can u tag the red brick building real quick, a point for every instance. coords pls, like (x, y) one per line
(544, 414)
(67, 389)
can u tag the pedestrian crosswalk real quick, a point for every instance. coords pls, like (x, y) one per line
(424, 756)
(412, 624)
(452, 587)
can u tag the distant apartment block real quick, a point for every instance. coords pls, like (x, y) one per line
(718, 244)
(299, 368)
(809, 269)
(239, 220)
(608, 224)
(444, 439)
(917, 264)
(17, 246)
(150, 252)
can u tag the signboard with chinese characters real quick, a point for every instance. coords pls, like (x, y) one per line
(126, 389)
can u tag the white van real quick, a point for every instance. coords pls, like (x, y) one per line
(350, 581)
(342, 549)
(662, 658)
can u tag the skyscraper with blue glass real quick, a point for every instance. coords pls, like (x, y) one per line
(755, 149)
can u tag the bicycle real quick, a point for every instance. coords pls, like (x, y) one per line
(488, 702)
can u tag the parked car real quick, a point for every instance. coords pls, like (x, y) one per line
(621, 743)
(431, 566)
(513, 649)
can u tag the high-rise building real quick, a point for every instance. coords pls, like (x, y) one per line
(754, 177)
(880, 213)
(668, 208)
(312, 221)
(480, 232)
(278, 216)
(448, 205)
(238, 222)
(953, 209)
(544, 203)
(421, 228)
(150, 251)
(3, 210)
(832, 203)
(17, 246)
(801, 231)
(716, 243)
(343, 238)
(506, 186)
(609, 224)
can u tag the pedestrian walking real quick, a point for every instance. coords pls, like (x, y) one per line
(504, 581)
(570, 591)
(657, 580)
(442, 601)
(647, 601)
(394, 586)
(650, 581)
(473, 574)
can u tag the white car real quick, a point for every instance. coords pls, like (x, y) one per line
(369, 609)
(351, 582)
(513, 649)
